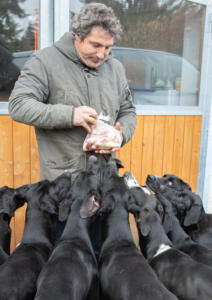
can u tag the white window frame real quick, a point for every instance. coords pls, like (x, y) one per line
(204, 185)
(203, 2)
(61, 18)
(46, 23)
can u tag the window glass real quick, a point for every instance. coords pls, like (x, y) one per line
(160, 48)
(19, 37)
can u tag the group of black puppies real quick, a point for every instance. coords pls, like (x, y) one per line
(160, 269)
(181, 263)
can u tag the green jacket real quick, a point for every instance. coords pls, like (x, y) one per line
(52, 83)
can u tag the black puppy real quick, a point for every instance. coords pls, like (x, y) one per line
(182, 275)
(173, 182)
(124, 272)
(8, 205)
(19, 273)
(180, 239)
(188, 205)
(71, 271)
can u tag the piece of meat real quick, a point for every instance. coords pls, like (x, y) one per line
(103, 137)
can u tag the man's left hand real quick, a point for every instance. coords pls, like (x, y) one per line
(115, 149)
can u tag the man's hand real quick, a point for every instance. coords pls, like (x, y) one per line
(85, 116)
(118, 127)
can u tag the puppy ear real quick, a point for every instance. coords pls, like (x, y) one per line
(20, 195)
(119, 163)
(8, 202)
(64, 210)
(185, 185)
(167, 222)
(192, 215)
(144, 221)
(48, 205)
(144, 228)
(132, 207)
(160, 209)
(89, 208)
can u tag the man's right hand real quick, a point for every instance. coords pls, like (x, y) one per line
(85, 116)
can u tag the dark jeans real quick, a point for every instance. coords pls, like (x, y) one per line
(95, 236)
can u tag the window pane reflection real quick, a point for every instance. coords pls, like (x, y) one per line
(19, 32)
(160, 48)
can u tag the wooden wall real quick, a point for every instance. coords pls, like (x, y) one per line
(161, 144)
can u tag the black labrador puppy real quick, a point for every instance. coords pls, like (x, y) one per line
(183, 276)
(72, 271)
(190, 211)
(18, 275)
(174, 182)
(124, 272)
(180, 239)
(8, 205)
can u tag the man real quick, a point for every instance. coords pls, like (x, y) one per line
(63, 88)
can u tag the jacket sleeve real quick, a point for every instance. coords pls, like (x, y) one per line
(127, 113)
(28, 100)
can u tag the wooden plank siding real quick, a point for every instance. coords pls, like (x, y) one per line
(161, 144)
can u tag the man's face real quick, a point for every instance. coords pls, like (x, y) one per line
(95, 47)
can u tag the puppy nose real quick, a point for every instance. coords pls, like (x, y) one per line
(150, 177)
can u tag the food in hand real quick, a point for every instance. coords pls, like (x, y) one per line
(103, 137)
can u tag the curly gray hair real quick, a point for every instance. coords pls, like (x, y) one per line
(96, 14)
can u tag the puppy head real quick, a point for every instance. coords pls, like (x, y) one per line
(38, 197)
(163, 188)
(7, 202)
(138, 192)
(155, 184)
(11, 199)
(20, 195)
(58, 198)
(143, 204)
(85, 191)
(113, 189)
(175, 183)
(168, 182)
(144, 210)
(147, 215)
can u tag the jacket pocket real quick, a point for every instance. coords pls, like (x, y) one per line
(74, 166)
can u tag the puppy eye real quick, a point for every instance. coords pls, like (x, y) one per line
(170, 183)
